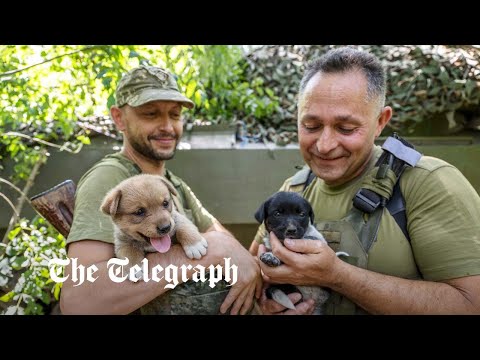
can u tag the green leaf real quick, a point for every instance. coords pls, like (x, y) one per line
(45, 297)
(56, 290)
(84, 139)
(8, 296)
(14, 233)
(18, 262)
(111, 101)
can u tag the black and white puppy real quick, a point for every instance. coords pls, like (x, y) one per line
(290, 216)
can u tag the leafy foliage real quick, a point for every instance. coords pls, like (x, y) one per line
(26, 256)
(53, 92)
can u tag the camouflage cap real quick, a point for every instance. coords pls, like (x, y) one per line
(149, 83)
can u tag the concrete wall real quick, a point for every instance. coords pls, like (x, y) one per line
(230, 182)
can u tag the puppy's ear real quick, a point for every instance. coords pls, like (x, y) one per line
(261, 212)
(110, 203)
(169, 186)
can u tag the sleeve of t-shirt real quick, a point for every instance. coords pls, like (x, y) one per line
(201, 217)
(89, 222)
(443, 223)
(261, 232)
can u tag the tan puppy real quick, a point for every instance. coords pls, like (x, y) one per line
(145, 219)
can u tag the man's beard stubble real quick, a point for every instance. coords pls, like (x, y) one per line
(147, 151)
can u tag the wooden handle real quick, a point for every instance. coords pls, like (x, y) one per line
(56, 205)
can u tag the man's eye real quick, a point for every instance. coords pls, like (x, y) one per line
(140, 212)
(311, 127)
(149, 113)
(346, 131)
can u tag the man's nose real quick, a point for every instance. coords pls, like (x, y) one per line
(165, 124)
(327, 141)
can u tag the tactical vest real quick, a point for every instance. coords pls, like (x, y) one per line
(357, 231)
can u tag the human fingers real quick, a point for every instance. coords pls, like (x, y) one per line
(281, 252)
(271, 307)
(258, 287)
(261, 250)
(304, 308)
(237, 304)
(247, 305)
(232, 295)
(304, 246)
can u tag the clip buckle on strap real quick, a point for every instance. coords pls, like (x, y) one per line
(367, 201)
(396, 151)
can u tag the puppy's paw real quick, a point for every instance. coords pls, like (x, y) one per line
(197, 250)
(270, 259)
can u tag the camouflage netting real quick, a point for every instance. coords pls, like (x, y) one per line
(437, 85)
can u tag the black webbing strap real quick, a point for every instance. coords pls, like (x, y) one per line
(396, 208)
(397, 156)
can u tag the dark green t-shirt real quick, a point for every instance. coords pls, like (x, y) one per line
(442, 210)
(90, 223)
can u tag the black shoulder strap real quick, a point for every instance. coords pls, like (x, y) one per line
(396, 208)
(398, 154)
(310, 178)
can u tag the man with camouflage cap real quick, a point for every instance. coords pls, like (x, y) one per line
(148, 113)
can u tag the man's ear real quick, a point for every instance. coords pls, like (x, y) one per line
(169, 186)
(261, 212)
(110, 202)
(383, 120)
(117, 116)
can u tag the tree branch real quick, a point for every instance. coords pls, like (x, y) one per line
(11, 72)
(21, 200)
(61, 147)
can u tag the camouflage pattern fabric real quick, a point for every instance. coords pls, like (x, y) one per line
(189, 298)
(149, 83)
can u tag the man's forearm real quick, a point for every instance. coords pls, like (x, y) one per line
(384, 294)
(107, 297)
(103, 296)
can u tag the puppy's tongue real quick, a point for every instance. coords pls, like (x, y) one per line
(161, 244)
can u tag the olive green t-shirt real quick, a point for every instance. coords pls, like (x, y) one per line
(442, 210)
(90, 223)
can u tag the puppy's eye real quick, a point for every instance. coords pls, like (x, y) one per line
(277, 213)
(301, 214)
(140, 212)
(165, 204)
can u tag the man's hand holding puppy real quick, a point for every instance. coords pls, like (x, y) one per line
(305, 262)
(249, 282)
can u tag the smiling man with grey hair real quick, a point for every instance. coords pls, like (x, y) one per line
(409, 223)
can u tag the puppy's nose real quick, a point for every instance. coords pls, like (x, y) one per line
(164, 229)
(291, 230)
